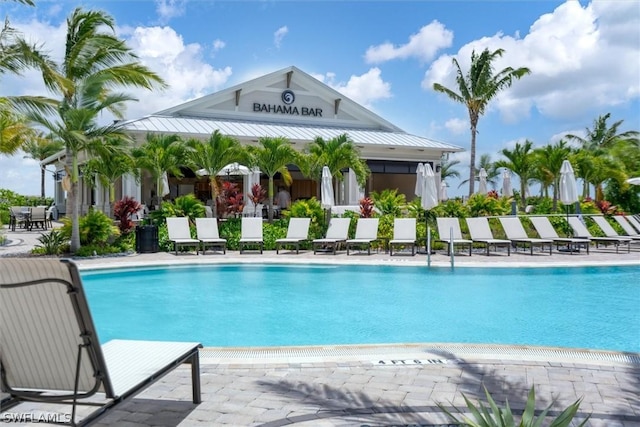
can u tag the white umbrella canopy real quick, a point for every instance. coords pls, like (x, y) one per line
(443, 191)
(419, 178)
(164, 183)
(429, 196)
(507, 189)
(326, 188)
(568, 189)
(233, 169)
(482, 187)
(634, 181)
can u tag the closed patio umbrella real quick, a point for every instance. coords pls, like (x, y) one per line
(429, 197)
(482, 187)
(164, 183)
(443, 191)
(507, 189)
(326, 188)
(568, 189)
(419, 178)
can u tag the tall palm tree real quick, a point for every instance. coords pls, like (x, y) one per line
(548, 160)
(520, 161)
(213, 155)
(272, 156)
(337, 153)
(447, 169)
(493, 173)
(95, 65)
(39, 148)
(476, 88)
(160, 154)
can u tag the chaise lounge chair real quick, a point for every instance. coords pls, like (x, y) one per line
(337, 233)
(445, 225)
(208, 234)
(546, 231)
(580, 230)
(609, 231)
(50, 351)
(297, 232)
(626, 225)
(517, 234)
(635, 221)
(251, 233)
(481, 233)
(404, 234)
(180, 234)
(366, 233)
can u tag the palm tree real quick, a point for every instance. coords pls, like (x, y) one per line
(492, 171)
(213, 155)
(39, 148)
(96, 63)
(109, 167)
(337, 153)
(548, 161)
(14, 129)
(447, 169)
(475, 89)
(161, 154)
(520, 161)
(271, 157)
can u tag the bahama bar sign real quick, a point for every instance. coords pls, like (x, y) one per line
(288, 98)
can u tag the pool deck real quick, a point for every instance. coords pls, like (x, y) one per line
(377, 385)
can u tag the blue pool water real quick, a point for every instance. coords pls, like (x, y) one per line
(272, 305)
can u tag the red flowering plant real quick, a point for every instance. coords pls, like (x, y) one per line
(257, 196)
(122, 212)
(493, 194)
(366, 207)
(232, 198)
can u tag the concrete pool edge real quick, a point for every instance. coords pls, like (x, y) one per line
(401, 354)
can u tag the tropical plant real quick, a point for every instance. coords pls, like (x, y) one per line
(14, 129)
(493, 173)
(476, 89)
(485, 205)
(310, 208)
(39, 147)
(257, 196)
(87, 82)
(232, 199)
(187, 205)
(495, 416)
(161, 154)
(548, 162)
(447, 169)
(53, 243)
(95, 228)
(388, 201)
(520, 161)
(123, 210)
(272, 156)
(366, 207)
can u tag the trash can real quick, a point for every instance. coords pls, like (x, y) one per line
(146, 239)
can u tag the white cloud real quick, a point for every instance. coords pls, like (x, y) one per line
(218, 45)
(364, 89)
(168, 9)
(278, 36)
(423, 45)
(581, 59)
(457, 126)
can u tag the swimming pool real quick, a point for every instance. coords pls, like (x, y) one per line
(273, 305)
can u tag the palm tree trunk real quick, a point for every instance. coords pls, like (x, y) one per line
(214, 196)
(73, 209)
(472, 159)
(270, 199)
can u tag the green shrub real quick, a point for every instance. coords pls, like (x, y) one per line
(310, 208)
(451, 209)
(96, 228)
(483, 205)
(53, 243)
(389, 202)
(188, 206)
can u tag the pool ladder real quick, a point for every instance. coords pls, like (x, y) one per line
(451, 254)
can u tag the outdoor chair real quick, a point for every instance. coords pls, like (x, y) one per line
(366, 233)
(297, 232)
(208, 234)
(635, 221)
(480, 232)
(445, 227)
(38, 218)
(580, 230)
(18, 217)
(180, 234)
(626, 225)
(518, 235)
(51, 352)
(609, 231)
(546, 231)
(337, 234)
(404, 234)
(251, 233)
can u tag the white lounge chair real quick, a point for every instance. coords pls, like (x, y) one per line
(609, 231)
(580, 230)
(180, 234)
(208, 234)
(297, 232)
(626, 225)
(251, 233)
(480, 232)
(51, 352)
(337, 233)
(635, 221)
(366, 233)
(404, 234)
(445, 225)
(517, 234)
(546, 231)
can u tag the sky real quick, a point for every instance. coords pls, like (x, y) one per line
(584, 59)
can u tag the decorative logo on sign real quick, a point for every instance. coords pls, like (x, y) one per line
(288, 97)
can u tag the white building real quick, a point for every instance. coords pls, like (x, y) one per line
(286, 103)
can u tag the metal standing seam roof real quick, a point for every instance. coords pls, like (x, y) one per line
(253, 130)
